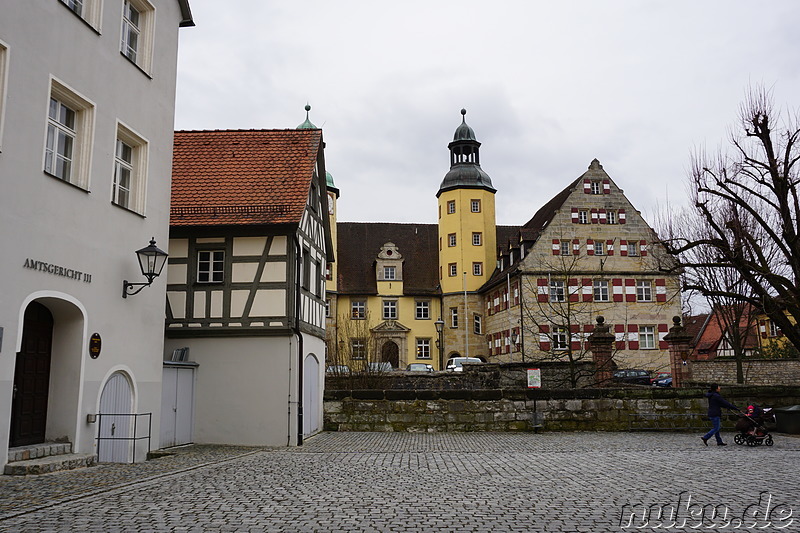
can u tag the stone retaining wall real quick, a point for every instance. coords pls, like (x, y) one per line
(483, 376)
(756, 371)
(508, 410)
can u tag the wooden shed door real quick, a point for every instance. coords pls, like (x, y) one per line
(311, 396)
(116, 406)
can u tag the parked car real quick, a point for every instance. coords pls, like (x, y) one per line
(419, 367)
(663, 382)
(660, 375)
(337, 369)
(382, 366)
(633, 376)
(454, 364)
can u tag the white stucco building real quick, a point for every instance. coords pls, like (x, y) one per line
(87, 98)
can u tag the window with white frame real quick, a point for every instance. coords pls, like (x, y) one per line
(583, 216)
(600, 289)
(358, 309)
(475, 206)
(210, 266)
(477, 238)
(60, 140)
(358, 348)
(566, 247)
(390, 309)
(130, 170)
(327, 308)
(75, 5)
(647, 337)
(389, 273)
(477, 325)
(633, 248)
(454, 317)
(611, 217)
(423, 310)
(774, 329)
(305, 273)
(595, 187)
(477, 269)
(599, 248)
(137, 32)
(452, 269)
(644, 291)
(557, 291)
(88, 10)
(318, 278)
(423, 348)
(451, 207)
(560, 338)
(3, 76)
(69, 130)
(451, 239)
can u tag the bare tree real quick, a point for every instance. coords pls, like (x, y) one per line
(561, 315)
(353, 353)
(746, 198)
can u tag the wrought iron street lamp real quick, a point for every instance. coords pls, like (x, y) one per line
(439, 343)
(151, 262)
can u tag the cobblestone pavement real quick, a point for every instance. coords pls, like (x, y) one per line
(455, 482)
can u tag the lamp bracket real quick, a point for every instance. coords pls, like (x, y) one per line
(128, 285)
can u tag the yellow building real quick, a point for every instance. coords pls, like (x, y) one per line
(411, 293)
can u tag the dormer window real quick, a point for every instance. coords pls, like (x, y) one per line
(389, 273)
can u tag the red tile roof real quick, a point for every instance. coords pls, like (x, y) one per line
(225, 177)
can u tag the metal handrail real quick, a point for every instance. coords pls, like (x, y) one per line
(132, 439)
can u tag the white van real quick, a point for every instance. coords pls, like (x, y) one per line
(454, 363)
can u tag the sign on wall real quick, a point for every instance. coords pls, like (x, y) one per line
(534, 378)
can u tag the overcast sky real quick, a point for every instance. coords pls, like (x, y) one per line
(548, 86)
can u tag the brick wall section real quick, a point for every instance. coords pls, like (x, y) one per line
(756, 371)
(513, 410)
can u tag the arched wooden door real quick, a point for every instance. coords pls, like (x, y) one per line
(390, 353)
(311, 395)
(116, 406)
(32, 377)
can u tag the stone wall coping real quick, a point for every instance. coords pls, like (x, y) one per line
(730, 391)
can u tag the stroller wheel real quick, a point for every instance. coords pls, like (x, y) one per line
(768, 440)
(751, 440)
(738, 439)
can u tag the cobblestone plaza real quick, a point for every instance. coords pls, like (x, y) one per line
(455, 482)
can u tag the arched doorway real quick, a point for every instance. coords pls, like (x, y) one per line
(390, 353)
(116, 406)
(32, 377)
(311, 395)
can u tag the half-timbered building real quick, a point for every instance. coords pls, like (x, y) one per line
(249, 244)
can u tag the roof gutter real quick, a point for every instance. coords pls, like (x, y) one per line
(186, 14)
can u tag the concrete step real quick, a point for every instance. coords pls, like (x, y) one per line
(35, 451)
(53, 463)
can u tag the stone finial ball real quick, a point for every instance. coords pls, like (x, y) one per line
(601, 319)
(676, 320)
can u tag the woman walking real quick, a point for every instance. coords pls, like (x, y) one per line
(715, 404)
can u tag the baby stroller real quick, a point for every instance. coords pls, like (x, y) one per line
(751, 427)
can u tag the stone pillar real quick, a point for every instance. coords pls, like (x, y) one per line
(679, 350)
(601, 343)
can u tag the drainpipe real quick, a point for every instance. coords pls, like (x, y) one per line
(296, 329)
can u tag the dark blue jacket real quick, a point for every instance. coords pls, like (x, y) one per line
(716, 402)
